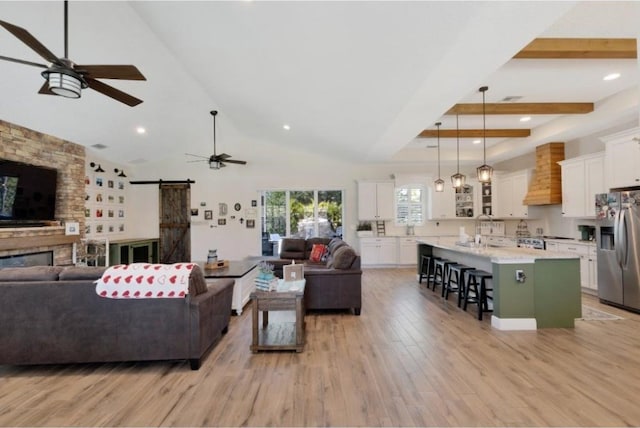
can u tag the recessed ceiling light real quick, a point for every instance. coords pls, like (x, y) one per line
(612, 76)
(141, 130)
(286, 127)
(477, 141)
(525, 118)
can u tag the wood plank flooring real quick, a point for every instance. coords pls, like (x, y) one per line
(410, 359)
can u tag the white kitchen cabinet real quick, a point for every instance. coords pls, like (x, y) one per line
(510, 191)
(407, 251)
(622, 156)
(376, 201)
(378, 251)
(588, 262)
(582, 179)
(442, 205)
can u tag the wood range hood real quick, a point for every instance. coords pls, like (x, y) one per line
(545, 187)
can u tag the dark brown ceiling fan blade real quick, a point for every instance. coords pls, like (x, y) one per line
(112, 92)
(197, 156)
(240, 162)
(223, 156)
(44, 89)
(124, 72)
(26, 38)
(21, 61)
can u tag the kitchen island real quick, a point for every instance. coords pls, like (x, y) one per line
(550, 295)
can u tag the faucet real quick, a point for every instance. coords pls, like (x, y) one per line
(479, 229)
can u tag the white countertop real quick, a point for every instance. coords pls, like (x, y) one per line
(504, 255)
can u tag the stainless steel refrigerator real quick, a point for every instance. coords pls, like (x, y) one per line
(618, 245)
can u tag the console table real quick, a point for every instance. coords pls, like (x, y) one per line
(244, 272)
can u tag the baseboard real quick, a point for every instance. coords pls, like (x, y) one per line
(513, 323)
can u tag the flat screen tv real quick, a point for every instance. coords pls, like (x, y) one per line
(27, 193)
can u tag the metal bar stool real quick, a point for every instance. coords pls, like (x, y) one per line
(476, 290)
(456, 277)
(440, 268)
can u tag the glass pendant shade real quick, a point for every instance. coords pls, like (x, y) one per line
(457, 180)
(485, 171)
(439, 185)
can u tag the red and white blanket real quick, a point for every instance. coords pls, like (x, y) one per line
(145, 281)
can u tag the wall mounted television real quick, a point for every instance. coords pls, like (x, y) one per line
(27, 193)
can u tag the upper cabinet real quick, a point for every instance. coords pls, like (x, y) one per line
(442, 205)
(376, 200)
(582, 179)
(622, 157)
(509, 193)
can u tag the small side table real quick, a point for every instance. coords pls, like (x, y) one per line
(279, 336)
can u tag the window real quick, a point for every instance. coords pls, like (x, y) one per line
(410, 205)
(301, 214)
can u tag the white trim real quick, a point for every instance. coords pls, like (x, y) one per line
(513, 323)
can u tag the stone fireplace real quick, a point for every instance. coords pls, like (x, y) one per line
(35, 148)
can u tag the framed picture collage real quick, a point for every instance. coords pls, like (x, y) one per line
(104, 205)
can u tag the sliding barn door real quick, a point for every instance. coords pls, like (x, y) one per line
(175, 214)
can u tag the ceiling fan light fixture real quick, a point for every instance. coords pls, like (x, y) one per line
(64, 81)
(215, 164)
(485, 172)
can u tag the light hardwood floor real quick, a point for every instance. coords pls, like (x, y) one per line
(410, 359)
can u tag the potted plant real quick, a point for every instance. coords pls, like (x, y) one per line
(364, 229)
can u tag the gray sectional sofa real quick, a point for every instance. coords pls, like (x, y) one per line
(52, 315)
(335, 283)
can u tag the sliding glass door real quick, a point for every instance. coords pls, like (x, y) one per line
(301, 214)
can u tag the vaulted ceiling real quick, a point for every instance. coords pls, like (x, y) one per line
(359, 80)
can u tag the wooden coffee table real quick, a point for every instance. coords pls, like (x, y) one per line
(282, 335)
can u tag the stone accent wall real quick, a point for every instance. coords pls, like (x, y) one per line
(25, 145)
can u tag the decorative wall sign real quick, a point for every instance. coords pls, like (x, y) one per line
(222, 221)
(208, 215)
(251, 224)
(237, 206)
(254, 203)
(222, 209)
(194, 211)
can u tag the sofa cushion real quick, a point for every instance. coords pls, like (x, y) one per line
(334, 244)
(292, 248)
(343, 257)
(75, 273)
(197, 283)
(30, 273)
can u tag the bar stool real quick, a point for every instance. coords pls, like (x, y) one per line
(456, 277)
(476, 283)
(425, 269)
(440, 268)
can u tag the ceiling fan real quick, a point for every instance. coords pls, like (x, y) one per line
(66, 78)
(216, 161)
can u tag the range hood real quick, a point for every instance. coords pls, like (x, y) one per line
(545, 187)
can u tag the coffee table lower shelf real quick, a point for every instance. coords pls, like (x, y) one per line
(279, 336)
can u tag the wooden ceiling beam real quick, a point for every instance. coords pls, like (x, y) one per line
(522, 108)
(476, 133)
(570, 48)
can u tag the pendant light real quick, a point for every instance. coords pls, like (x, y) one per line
(485, 171)
(457, 179)
(439, 183)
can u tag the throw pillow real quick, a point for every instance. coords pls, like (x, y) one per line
(316, 252)
(344, 257)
